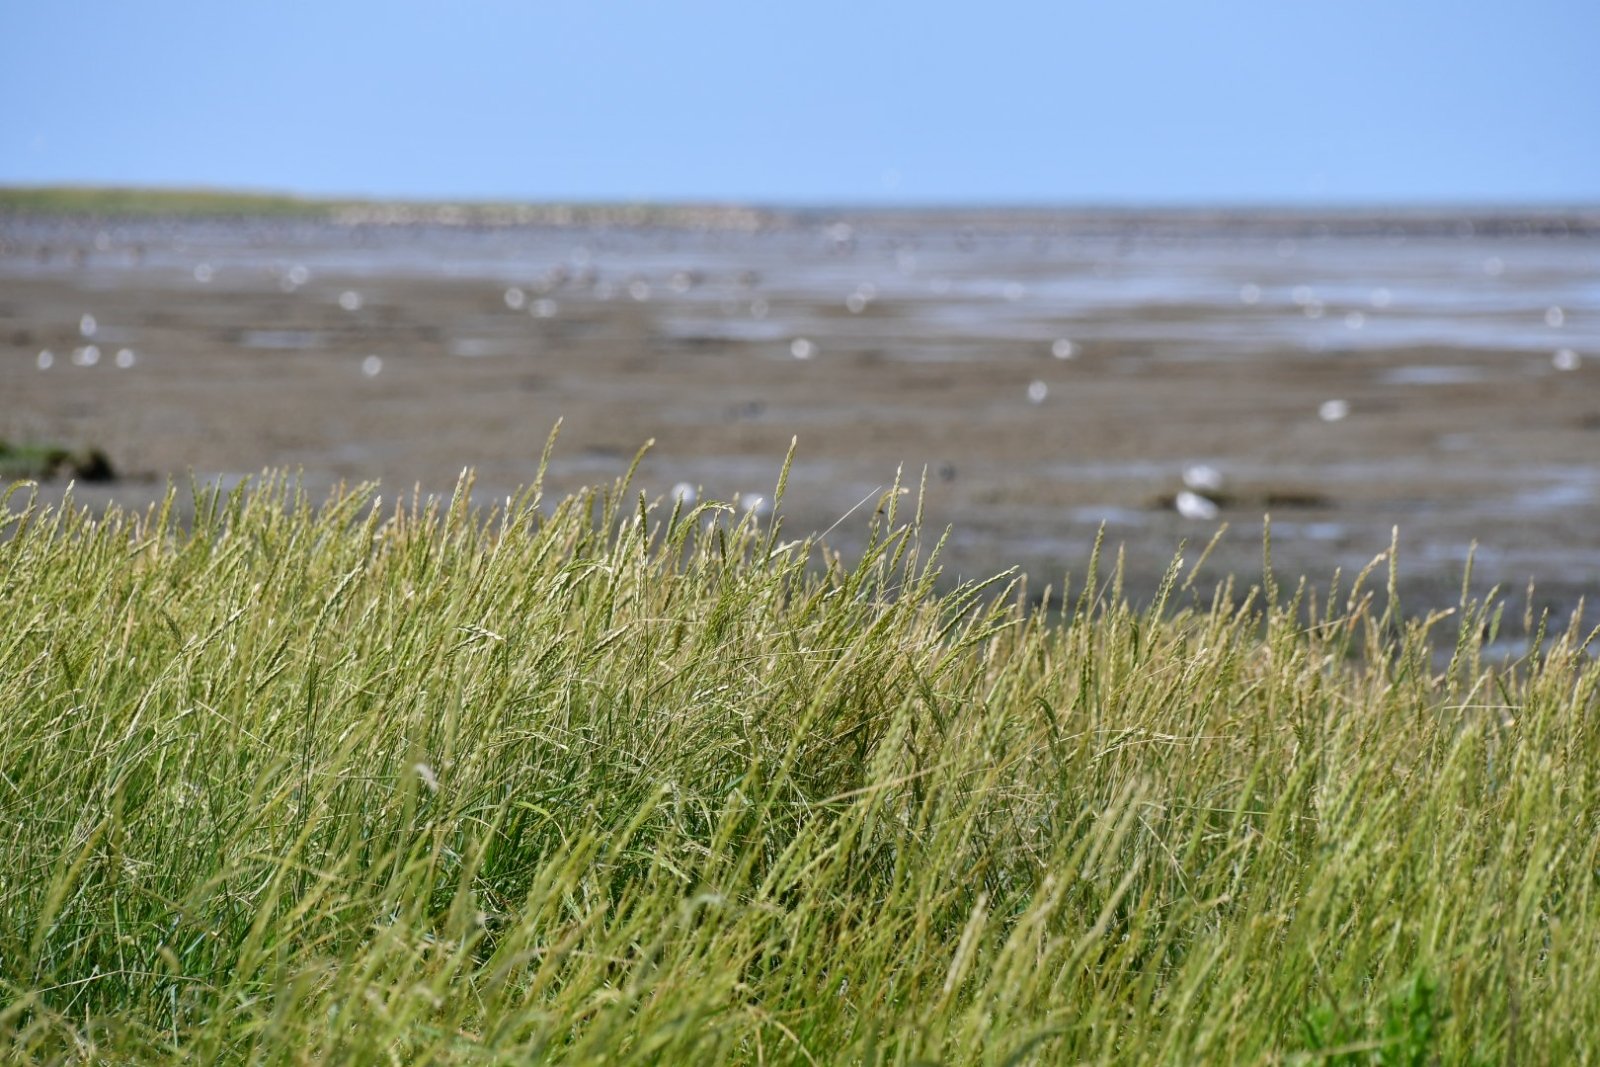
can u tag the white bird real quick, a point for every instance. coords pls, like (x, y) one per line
(1194, 506)
(1203, 477)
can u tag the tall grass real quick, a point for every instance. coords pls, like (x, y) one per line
(611, 781)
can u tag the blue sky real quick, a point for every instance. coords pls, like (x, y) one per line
(1001, 102)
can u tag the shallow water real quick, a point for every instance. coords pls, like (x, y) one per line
(1471, 292)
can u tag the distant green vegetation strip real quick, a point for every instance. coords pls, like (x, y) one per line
(602, 781)
(135, 202)
(67, 200)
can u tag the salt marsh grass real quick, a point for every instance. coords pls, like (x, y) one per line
(607, 780)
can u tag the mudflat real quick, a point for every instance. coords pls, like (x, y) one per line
(1044, 373)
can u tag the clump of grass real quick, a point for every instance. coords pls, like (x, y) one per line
(43, 462)
(611, 781)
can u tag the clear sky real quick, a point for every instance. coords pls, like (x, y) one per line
(983, 101)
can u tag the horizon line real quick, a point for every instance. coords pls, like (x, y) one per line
(14, 195)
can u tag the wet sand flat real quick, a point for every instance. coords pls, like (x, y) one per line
(1049, 373)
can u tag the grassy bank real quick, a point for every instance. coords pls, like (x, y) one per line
(601, 782)
(111, 201)
(107, 202)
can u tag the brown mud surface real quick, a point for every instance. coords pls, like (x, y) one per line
(224, 348)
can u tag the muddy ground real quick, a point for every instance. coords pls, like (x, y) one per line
(353, 353)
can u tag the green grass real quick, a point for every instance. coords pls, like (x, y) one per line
(135, 202)
(42, 462)
(597, 781)
(108, 200)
